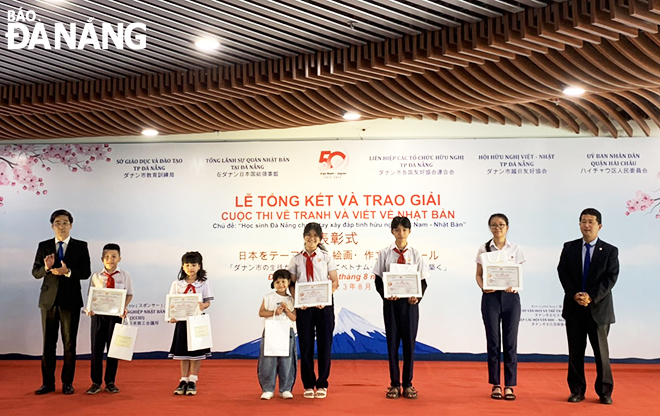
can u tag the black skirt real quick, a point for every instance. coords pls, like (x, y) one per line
(179, 348)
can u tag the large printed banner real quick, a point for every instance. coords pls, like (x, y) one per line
(244, 206)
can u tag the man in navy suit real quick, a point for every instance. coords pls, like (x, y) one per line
(62, 262)
(588, 269)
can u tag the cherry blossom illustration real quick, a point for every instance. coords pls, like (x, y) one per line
(644, 202)
(20, 164)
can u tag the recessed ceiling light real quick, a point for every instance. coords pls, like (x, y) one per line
(349, 115)
(207, 44)
(150, 132)
(574, 91)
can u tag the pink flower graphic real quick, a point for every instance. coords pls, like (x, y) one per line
(643, 202)
(19, 162)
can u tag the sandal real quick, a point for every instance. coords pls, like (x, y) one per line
(496, 393)
(393, 393)
(508, 394)
(321, 393)
(410, 393)
(308, 394)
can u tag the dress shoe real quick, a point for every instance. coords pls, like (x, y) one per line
(575, 398)
(606, 399)
(44, 389)
(67, 389)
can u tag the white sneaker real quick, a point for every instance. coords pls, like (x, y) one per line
(267, 395)
(286, 395)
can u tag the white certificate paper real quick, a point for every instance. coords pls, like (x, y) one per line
(180, 307)
(104, 301)
(402, 285)
(311, 294)
(503, 276)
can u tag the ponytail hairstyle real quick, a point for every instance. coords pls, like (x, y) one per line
(316, 227)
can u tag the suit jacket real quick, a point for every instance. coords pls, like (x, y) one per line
(66, 290)
(603, 273)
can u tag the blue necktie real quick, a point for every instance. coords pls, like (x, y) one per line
(60, 250)
(585, 272)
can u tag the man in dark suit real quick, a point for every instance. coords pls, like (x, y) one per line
(62, 262)
(588, 269)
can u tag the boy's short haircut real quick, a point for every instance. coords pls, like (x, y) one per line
(280, 274)
(403, 221)
(61, 212)
(111, 246)
(592, 211)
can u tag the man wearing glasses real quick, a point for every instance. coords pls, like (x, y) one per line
(62, 262)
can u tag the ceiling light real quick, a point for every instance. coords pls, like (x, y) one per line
(350, 115)
(207, 44)
(574, 91)
(149, 132)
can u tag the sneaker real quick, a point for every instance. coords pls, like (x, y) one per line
(111, 388)
(286, 395)
(95, 388)
(181, 390)
(191, 390)
(267, 395)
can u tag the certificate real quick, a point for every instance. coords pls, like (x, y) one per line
(503, 276)
(313, 294)
(402, 285)
(180, 307)
(104, 301)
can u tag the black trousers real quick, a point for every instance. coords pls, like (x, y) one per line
(101, 335)
(503, 308)
(578, 329)
(319, 323)
(401, 323)
(52, 320)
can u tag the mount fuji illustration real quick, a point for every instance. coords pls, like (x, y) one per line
(353, 337)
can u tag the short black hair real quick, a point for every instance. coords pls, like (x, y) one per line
(61, 212)
(403, 221)
(592, 211)
(111, 246)
(280, 274)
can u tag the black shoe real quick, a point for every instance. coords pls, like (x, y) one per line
(575, 398)
(606, 399)
(111, 388)
(67, 389)
(95, 388)
(181, 390)
(191, 389)
(44, 389)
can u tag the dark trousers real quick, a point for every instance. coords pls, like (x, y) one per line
(101, 335)
(401, 322)
(578, 329)
(317, 322)
(503, 308)
(52, 320)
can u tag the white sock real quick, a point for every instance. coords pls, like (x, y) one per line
(184, 379)
(193, 378)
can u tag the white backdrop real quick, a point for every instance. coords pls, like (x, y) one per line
(243, 206)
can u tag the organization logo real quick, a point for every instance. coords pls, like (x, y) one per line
(26, 31)
(330, 160)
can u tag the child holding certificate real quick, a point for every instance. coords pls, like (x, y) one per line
(314, 264)
(401, 314)
(111, 277)
(500, 306)
(191, 279)
(277, 308)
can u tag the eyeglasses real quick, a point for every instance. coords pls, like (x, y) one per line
(497, 225)
(61, 223)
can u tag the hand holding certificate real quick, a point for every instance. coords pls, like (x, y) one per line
(501, 275)
(180, 307)
(102, 301)
(310, 294)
